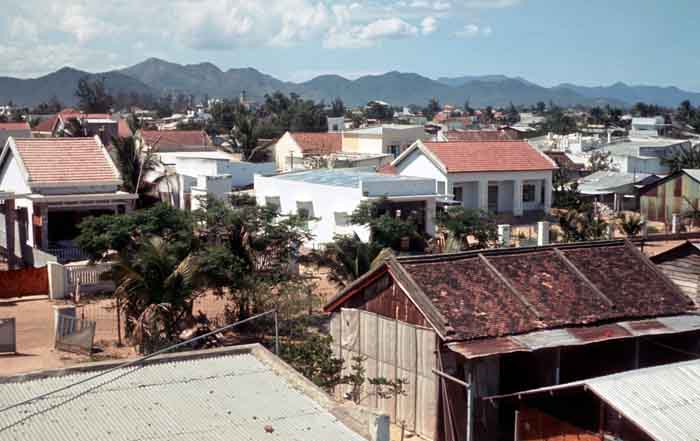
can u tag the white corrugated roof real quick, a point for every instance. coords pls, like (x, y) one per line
(226, 397)
(664, 401)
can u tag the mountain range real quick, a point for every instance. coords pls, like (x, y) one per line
(158, 77)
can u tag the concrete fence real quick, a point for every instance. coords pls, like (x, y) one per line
(63, 279)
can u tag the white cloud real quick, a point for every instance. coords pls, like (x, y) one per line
(368, 35)
(473, 30)
(428, 25)
(123, 29)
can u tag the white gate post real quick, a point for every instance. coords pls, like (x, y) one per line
(58, 280)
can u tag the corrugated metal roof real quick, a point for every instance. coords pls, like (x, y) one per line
(229, 397)
(693, 173)
(554, 338)
(609, 181)
(664, 401)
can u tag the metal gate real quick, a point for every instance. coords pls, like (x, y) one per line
(8, 335)
(74, 334)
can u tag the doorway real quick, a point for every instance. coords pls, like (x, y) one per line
(493, 198)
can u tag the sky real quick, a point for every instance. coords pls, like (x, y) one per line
(591, 42)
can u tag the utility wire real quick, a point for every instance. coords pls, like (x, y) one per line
(133, 362)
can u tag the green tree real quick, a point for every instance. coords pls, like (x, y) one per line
(156, 286)
(600, 161)
(631, 225)
(93, 96)
(250, 251)
(133, 162)
(337, 108)
(347, 258)
(685, 157)
(462, 222)
(122, 232)
(245, 133)
(432, 109)
(387, 229)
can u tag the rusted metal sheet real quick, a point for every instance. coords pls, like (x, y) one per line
(554, 338)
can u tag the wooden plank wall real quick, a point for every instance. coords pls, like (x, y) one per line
(24, 282)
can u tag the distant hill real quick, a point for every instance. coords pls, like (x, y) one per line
(159, 77)
(663, 96)
(62, 84)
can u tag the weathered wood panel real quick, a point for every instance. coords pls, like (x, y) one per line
(24, 282)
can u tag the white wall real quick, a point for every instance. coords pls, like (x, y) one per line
(417, 164)
(242, 172)
(11, 179)
(326, 202)
(284, 148)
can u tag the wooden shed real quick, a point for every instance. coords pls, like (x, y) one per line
(682, 265)
(672, 195)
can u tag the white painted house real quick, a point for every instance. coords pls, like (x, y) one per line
(57, 182)
(196, 174)
(509, 177)
(648, 127)
(643, 155)
(331, 195)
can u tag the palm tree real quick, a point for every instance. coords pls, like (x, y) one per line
(152, 278)
(133, 162)
(685, 157)
(631, 225)
(347, 258)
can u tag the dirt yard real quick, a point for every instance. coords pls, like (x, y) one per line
(34, 318)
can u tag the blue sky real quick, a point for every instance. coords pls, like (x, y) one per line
(588, 42)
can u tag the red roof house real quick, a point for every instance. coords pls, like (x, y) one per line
(59, 181)
(177, 140)
(498, 176)
(296, 146)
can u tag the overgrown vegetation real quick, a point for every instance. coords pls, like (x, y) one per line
(460, 223)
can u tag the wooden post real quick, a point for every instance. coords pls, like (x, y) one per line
(516, 432)
(119, 322)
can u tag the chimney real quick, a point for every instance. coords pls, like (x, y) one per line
(504, 235)
(542, 233)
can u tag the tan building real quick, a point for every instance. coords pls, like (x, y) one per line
(385, 139)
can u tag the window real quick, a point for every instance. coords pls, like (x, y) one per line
(395, 150)
(458, 194)
(529, 192)
(273, 203)
(305, 209)
(441, 187)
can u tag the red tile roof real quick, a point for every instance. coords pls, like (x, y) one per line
(177, 140)
(65, 160)
(123, 129)
(388, 169)
(318, 143)
(14, 126)
(464, 156)
(480, 135)
(47, 124)
(494, 293)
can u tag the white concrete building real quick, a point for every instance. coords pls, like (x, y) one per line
(195, 174)
(643, 155)
(648, 127)
(385, 139)
(331, 196)
(508, 177)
